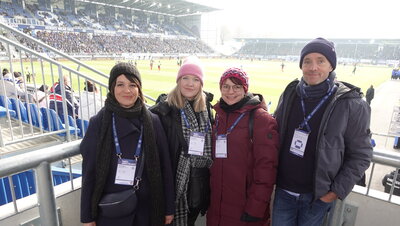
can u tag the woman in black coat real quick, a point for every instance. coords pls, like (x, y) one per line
(186, 116)
(124, 120)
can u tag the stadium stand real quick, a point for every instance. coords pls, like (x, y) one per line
(86, 43)
(379, 50)
(82, 33)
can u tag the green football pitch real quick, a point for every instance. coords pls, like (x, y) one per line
(265, 77)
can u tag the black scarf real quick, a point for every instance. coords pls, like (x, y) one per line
(236, 106)
(318, 91)
(152, 161)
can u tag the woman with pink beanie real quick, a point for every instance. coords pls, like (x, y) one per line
(187, 118)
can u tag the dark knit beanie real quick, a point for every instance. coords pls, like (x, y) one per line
(129, 70)
(322, 46)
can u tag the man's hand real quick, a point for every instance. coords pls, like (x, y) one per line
(329, 197)
(90, 224)
(168, 219)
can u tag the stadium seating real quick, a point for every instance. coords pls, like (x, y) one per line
(71, 121)
(20, 110)
(3, 112)
(35, 114)
(24, 184)
(82, 125)
(51, 122)
(3, 101)
(352, 49)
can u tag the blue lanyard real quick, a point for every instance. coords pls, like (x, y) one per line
(306, 119)
(187, 121)
(117, 146)
(233, 125)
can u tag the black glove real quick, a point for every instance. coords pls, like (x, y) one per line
(247, 218)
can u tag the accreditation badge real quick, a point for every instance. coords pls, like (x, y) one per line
(221, 144)
(196, 143)
(299, 142)
(125, 172)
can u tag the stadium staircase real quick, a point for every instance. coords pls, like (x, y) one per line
(187, 29)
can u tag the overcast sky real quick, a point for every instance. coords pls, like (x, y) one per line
(310, 18)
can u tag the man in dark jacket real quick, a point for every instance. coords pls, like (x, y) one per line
(370, 94)
(56, 99)
(325, 139)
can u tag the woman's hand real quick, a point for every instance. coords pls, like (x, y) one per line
(168, 219)
(90, 224)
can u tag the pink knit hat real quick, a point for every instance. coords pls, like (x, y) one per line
(238, 73)
(191, 66)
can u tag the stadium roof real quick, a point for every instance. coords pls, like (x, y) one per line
(176, 8)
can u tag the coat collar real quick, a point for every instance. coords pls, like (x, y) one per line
(126, 126)
(256, 101)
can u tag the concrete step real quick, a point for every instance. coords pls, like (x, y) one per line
(12, 130)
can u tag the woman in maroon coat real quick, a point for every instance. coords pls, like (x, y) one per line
(245, 155)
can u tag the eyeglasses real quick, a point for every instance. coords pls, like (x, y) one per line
(235, 88)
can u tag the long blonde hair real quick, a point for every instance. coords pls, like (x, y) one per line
(176, 99)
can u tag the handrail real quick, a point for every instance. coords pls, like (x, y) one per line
(40, 160)
(22, 162)
(385, 158)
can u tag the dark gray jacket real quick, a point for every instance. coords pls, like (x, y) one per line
(343, 149)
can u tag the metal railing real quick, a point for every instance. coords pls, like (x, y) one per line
(387, 159)
(40, 160)
(56, 73)
(51, 49)
(56, 52)
(39, 69)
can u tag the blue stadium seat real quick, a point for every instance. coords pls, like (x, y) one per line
(82, 125)
(3, 101)
(18, 106)
(46, 119)
(36, 115)
(71, 123)
(24, 184)
(3, 112)
(51, 122)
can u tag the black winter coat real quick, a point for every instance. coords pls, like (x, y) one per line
(171, 120)
(128, 131)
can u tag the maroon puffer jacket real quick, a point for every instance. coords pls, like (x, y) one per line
(243, 182)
